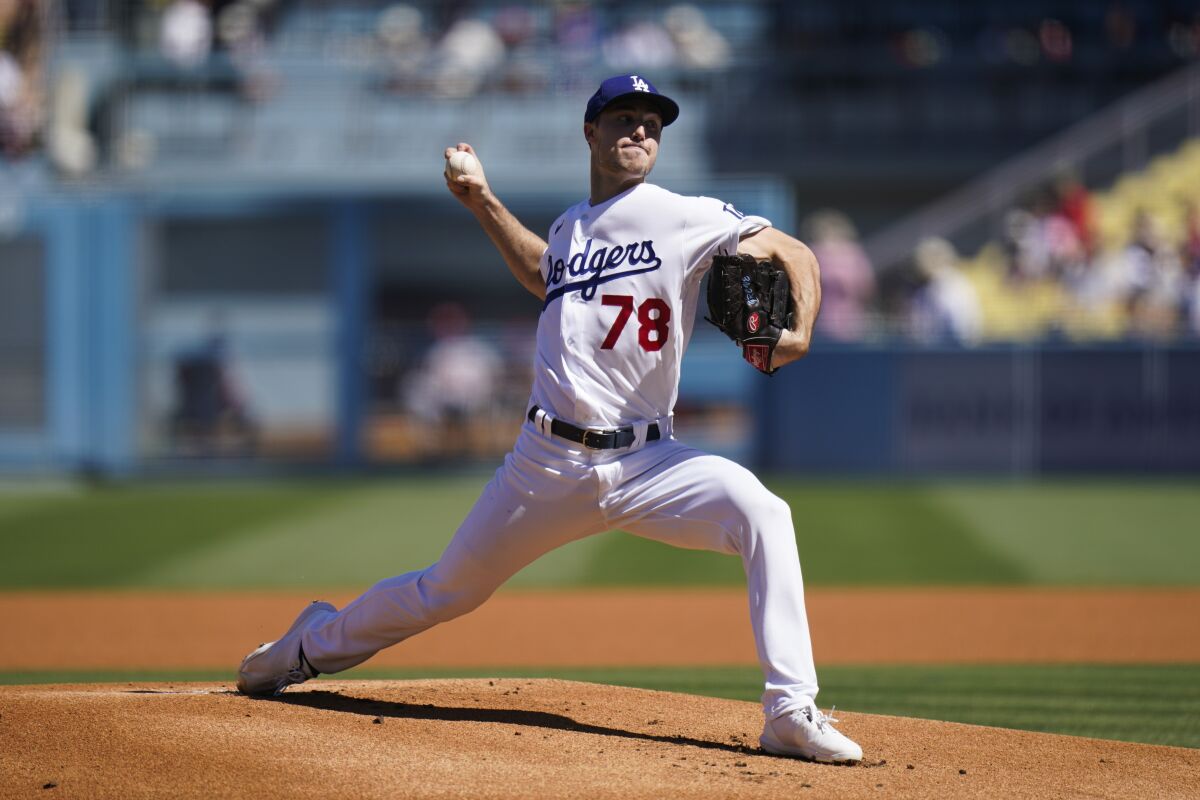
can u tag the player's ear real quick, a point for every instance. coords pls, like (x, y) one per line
(589, 132)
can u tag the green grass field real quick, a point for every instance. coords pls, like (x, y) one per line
(1152, 704)
(332, 534)
(348, 534)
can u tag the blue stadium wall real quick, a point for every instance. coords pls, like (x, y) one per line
(1020, 410)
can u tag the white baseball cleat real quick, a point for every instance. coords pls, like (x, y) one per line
(807, 733)
(277, 665)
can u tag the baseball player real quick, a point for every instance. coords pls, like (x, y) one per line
(619, 278)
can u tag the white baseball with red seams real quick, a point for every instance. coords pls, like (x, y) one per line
(461, 163)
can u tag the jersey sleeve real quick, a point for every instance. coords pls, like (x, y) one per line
(713, 227)
(557, 225)
(554, 230)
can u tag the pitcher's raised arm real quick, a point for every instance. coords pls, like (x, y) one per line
(520, 247)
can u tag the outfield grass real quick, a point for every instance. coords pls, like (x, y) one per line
(1151, 704)
(348, 534)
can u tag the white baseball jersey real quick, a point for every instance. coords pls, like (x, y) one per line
(622, 281)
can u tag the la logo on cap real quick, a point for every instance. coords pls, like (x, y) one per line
(639, 85)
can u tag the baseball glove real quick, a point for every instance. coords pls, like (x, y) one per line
(751, 302)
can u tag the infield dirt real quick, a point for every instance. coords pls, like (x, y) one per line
(505, 738)
(622, 627)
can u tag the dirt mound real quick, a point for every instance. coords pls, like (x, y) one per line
(518, 738)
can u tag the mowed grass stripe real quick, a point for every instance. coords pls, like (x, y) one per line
(366, 532)
(1156, 704)
(1086, 532)
(350, 533)
(110, 536)
(250, 534)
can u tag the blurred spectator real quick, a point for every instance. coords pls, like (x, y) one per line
(1043, 243)
(405, 46)
(211, 417)
(1151, 279)
(921, 48)
(576, 39)
(515, 25)
(1024, 246)
(1067, 258)
(644, 44)
(1075, 206)
(186, 33)
(527, 69)
(847, 278)
(1143, 259)
(468, 53)
(21, 87)
(946, 308)
(698, 45)
(241, 31)
(452, 392)
(69, 142)
(1056, 40)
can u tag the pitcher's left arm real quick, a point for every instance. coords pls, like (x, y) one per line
(794, 257)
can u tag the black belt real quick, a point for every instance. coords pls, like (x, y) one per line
(596, 438)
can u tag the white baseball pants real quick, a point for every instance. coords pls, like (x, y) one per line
(550, 492)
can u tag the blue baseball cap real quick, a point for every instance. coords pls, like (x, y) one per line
(620, 86)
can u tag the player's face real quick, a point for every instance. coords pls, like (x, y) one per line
(624, 138)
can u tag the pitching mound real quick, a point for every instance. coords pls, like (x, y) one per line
(518, 738)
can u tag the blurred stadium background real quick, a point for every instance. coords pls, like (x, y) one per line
(249, 343)
(226, 252)
(225, 243)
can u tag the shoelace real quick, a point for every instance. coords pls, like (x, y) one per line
(294, 675)
(824, 719)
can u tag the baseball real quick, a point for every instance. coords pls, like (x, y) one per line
(462, 163)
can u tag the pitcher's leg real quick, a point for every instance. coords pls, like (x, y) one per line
(512, 523)
(699, 501)
(397, 608)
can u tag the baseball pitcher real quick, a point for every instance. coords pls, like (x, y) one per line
(619, 278)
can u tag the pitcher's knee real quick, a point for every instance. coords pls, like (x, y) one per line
(443, 604)
(763, 510)
(764, 518)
